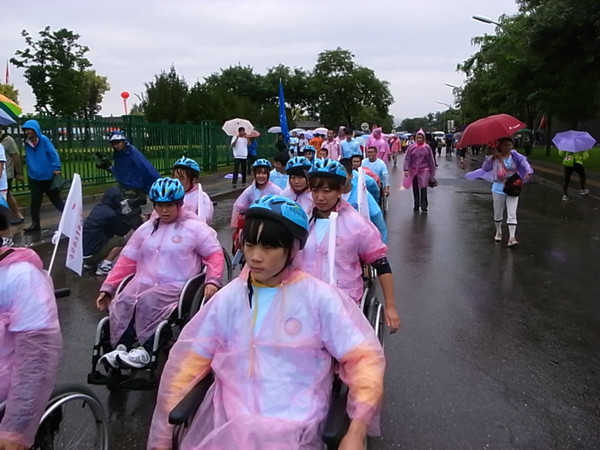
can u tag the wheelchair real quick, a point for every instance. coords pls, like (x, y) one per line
(190, 300)
(74, 419)
(336, 422)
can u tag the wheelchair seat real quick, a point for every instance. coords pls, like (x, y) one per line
(190, 300)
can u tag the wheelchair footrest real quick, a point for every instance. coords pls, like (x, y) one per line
(117, 379)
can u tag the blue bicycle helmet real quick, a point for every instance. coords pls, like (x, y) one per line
(187, 163)
(116, 135)
(285, 211)
(328, 168)
(298, 165)
(309, 148)
(262, 162)
(165, 190)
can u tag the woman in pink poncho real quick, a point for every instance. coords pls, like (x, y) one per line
(419, 167)
(297, 188)
(163, 254)
(187, 171)
(377, 140)
(269, 337)
(30, 343)
(357, 241)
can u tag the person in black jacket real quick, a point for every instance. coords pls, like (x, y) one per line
(104, 230)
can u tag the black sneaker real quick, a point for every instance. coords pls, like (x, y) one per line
(32, 228)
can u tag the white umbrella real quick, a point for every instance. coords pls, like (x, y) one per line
(297, 130)
(322, 131)
(231, 126)
(274, 130)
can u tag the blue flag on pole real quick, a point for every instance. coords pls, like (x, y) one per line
(282, 115)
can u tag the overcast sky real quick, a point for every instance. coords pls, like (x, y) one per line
(414, 45)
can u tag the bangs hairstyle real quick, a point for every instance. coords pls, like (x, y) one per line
(321, 182)
(190, 174)
(267, 232)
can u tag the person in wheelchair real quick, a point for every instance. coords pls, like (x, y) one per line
(261, 186)
(297, 188)
(163, 254)
(269, 338)
(30, 343)
(187, 171)
(327, 179)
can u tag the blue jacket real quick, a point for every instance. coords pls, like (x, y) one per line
(42, 160)
(104, 222)
(132, 170)
(374, 210)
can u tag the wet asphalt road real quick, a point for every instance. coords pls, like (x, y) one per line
(499, 347)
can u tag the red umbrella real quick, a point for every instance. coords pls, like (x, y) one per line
(489, 129)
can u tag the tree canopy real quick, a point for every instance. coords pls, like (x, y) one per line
(544, 59)
(337, 91)
(59, 74)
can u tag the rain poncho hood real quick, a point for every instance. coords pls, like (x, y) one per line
(30, 343)
(273, 381)
(378, 141)
(162, 259)
(42, 160)
(351, 252)
(304, 199)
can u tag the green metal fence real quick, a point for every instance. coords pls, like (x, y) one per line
(77, 141)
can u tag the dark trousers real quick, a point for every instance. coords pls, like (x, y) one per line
(251, 159)
(129, 338)
(38, 188)
(578, 169)
(238, 164)
(420, 195)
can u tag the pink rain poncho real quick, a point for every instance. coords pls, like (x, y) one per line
(357, 242)
(249, 196)
(380, 142)
(190, 201)
(273, 382)
(304, 199)
(162, 260)
(419, 163)
(30, 343)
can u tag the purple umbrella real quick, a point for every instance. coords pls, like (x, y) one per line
(573, 141)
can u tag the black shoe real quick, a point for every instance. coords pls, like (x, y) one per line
(234, 186)
(18, 221)
(424, 210)
(32, 228)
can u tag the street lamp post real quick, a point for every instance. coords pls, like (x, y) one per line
(445, 124)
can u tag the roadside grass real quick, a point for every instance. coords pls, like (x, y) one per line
(539, 154)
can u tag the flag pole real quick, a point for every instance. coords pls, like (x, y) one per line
(56, 236)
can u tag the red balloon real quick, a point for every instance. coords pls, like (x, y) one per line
(124, 95)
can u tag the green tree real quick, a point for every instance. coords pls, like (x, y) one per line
(9, 91)
(165, 98)
(94, 86)
(55, 68)
(344, 90)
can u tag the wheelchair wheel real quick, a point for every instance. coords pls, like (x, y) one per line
(228, 265)
(73, 419)
(376, 319)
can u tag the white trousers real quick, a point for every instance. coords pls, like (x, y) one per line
(502, 201)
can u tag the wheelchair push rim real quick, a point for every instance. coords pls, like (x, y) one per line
(73, 419)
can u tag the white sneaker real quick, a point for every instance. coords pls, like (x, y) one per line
(111, 359)
(565, 198)
(498, 237)
(136, 358)
(512, 242)
(104, 268)
(584, 191)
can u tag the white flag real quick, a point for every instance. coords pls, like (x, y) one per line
(71, 225)
(331, 247)
(361, 195)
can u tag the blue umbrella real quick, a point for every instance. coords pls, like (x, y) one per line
(573, 141)
(5, 119)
